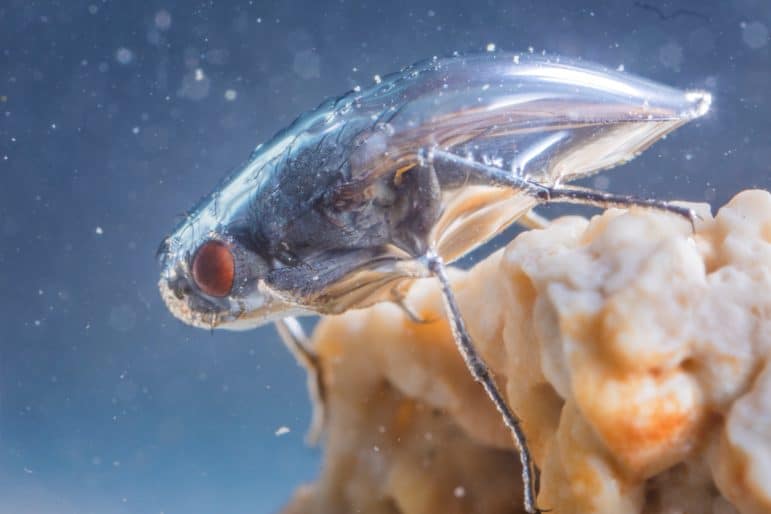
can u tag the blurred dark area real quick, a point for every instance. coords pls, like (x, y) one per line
(115, 117)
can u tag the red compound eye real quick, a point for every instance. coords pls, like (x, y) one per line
(214, 268)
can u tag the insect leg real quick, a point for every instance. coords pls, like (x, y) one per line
(477, 172)
(459, 170)
(583, 196)
(533, 220)
(481, 374)
(398, 298)
(295, 339)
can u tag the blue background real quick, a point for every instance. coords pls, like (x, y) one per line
(116, 116)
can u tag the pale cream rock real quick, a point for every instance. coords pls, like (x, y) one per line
(742, 462)
(636, 352)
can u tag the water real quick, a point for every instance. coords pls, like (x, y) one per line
(115, 117)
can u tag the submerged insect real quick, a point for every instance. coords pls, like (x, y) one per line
(369, 191)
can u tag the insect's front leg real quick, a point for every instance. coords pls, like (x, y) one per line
(481, 373)
(298, 343)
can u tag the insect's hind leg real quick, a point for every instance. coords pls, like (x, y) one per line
(477, 172)
(297, 342)
(583, 196)
(481, 374)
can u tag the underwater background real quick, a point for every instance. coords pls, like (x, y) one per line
(116, 116)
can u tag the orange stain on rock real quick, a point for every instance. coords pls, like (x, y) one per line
(642, 432)
(434, 328)
(403, 417)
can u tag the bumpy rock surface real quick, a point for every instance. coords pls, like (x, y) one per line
(637, 353)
